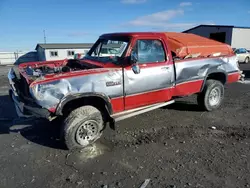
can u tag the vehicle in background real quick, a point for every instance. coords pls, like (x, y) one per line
(243, 55)
(149, 71)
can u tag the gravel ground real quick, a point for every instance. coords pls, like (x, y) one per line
(174, 147)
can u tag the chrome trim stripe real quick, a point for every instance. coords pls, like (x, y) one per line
(145, 92)
(115, 97)
(234, 72)
(185, 82)
(171, 87)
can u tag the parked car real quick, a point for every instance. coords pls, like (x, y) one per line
(93, 91)
(243, 55)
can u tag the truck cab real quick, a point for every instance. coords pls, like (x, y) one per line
(147, 68)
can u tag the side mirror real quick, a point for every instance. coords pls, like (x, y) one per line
(134, 57)
(134, 62)
(136, 68)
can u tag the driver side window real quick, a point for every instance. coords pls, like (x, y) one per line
(150, 51)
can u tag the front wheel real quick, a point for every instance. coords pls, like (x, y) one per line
(82, 127)
(247, 60)
(212, 95)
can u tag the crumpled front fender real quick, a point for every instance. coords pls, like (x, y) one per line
(84, 96)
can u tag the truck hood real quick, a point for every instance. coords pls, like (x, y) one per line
(37, 72)
(50, 82)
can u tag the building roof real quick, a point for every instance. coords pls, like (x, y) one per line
(230, 26)
(64, 45)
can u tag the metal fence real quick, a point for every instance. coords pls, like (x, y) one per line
(7, 58)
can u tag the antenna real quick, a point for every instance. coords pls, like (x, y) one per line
(44, 36)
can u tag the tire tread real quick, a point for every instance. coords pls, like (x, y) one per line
(202, 97)
(78, 114)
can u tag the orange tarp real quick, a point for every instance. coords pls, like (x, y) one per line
(183, 44)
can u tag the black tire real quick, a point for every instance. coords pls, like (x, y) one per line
(74, 126)
(247, 60)
(203, 98)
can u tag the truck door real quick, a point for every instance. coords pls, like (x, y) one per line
(156, 77)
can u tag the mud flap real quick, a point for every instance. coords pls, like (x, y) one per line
(242, 76)
(112, 124)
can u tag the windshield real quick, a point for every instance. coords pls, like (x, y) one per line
(108, 50)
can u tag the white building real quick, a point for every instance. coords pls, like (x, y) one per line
(58, 51)
(236, 37)
(7, 58)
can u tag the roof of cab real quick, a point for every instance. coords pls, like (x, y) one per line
(184, 44)
(132, 34)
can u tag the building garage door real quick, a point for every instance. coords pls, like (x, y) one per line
(221, 37)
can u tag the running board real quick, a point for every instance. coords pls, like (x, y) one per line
(130, 113)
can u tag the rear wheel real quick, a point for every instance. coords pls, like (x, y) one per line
(212, 95)
(82, 127)
(247, 60)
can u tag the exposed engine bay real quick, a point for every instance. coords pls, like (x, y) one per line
(69, 66)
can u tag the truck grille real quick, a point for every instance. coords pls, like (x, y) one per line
(20, 87)
(23, 88)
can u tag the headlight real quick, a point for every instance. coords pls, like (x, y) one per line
(11, 74)
(50, 91)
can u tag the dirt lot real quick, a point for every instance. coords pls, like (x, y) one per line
(173, 147)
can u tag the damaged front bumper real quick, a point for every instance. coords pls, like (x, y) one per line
(24, 108)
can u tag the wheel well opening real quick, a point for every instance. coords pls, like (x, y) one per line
(97, 102)
(217, 76)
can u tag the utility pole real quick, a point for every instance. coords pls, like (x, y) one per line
(44, 36)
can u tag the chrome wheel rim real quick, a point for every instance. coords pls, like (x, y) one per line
(87, 132)
(214, 96)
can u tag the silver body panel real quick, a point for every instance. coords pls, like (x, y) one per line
(119, 82)
(198, 69)
(108, 83)
(149, 79)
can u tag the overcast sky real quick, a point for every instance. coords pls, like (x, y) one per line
(23, 21)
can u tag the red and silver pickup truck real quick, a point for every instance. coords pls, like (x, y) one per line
(146, 71)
